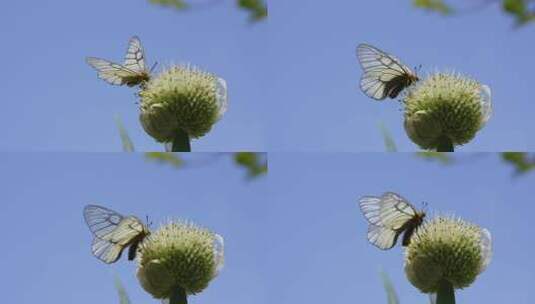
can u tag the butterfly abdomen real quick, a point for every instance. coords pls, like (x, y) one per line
(410, 228)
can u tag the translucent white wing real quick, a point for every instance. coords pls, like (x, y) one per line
(111, 72)
(101, 220)
(105, 251)
(135, 56)
(379, 68)
(382, 237)
(113, 232)
(390, 210)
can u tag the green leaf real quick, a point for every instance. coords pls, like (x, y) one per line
(128, 146)
(257, 9)
(521, 161)
(254, 163)
(123, 296)
(178, 4)
(389, 141)
(167, 158)
(389, 288)
(434, 5)
(519, 10)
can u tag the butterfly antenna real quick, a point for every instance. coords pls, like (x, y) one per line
(147, 219)
(153, 66)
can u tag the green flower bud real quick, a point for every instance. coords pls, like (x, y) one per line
(179, 255)
(446, 107)
(447, 249)
(182, 98)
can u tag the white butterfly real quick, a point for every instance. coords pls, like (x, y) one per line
(113, 233)
(384, 75)
(389, 216)
(133, 72)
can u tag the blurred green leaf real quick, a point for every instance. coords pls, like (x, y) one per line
(390, 145)
(443, 158)
(389, 288)
(178, 4)
(123, 296)
(519, 10)
(255, 163)
(434, 5)
(521, 161)
(257, 9)
(172, 159)
(128, 146)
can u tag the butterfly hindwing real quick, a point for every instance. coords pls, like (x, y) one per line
(382, 237)
(384, 75)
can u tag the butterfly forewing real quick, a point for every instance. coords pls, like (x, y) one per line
(390, 210)
(101, 220)
(135, 56)
(389, 215)
(384, 75)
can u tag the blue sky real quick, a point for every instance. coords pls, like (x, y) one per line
(321, 254)
(295, 236)
(46, 255)
(315, 85)
(53, 100)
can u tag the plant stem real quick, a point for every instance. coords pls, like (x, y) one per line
(445, 294)
(181, 142)
(445, 145)
(178, 297)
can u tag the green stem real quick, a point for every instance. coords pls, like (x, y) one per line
(445, 294)
(178, 297)
(445, 145)
(181, 142)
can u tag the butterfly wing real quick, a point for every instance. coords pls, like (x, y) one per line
(382, 237)
(105, 251)
(387, 216)
(135, 56)
(384, 75)
(111, 72)
(113, 232)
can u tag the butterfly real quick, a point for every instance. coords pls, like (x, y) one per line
(384, 75)
(132, 72)
(389, 216)
(113, 232)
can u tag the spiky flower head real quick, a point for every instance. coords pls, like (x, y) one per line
(179, 255)
(446, 105)
(182, 98)
(447, 249)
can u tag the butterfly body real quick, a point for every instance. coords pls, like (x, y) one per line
(131, 73)
(113, 233)
(384, 75)
(390, 215)
(410, 227)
